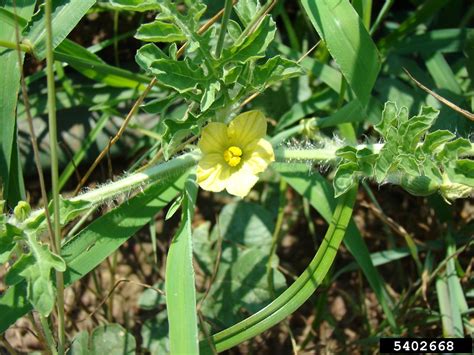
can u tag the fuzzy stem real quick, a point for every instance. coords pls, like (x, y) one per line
(156, 172)
(54, 170)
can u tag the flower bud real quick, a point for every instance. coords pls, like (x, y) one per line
(22, 210)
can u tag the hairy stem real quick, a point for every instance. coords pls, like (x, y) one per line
(54, 170)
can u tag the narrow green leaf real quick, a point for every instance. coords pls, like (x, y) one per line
(180, 284)
(297, 293)
(320, 195)
(348, 41)
(66, 14)
(10, 173)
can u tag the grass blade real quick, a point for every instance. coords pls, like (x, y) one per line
(10, 174)
(320, 195)
(180, 284)
(348, 41)
(298, 292)
(65, 16)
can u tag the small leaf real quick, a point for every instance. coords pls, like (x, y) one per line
(348, 152)
(434, 139)
(175, 205)
(246, 10)
(274, 70)
(389, 119)
(159, 31)
(254, 46)
(210, 95)
(105, 339)
(234, 30)
(148, 54)
(453, 149)
(345, 178)
(135, 5)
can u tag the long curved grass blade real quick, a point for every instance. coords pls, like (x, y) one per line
(298, 292)
(320, 195)
(180, 284)
(348, 41)
(92, 245)
(65, 16)
(10, 174)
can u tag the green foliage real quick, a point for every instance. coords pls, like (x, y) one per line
(214, 85)
(422, 163)
(110, 338)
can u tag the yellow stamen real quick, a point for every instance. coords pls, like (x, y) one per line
(233, 155)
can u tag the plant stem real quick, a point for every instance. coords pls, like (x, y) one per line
(11, 45)
(47, 334)
(54, 169)
(131, 182)
(225, 21)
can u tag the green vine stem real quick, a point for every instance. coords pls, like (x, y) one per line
(298, 292)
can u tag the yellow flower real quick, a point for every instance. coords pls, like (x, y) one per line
(233, 155)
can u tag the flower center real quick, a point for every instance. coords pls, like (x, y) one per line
(233, 155)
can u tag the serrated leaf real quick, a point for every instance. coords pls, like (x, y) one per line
(159, 31)
(246, 10)
(386, 161)
(148, 54)
(389, 119)
(453, 149)
(412, 130)
(254, 46)
(345, 178)
(182, 76)
(135, 5)
(274, 70)
(175, 132)
(435, 139)
(157, 106)
(348, 152)
(462, 172)
(209, 95)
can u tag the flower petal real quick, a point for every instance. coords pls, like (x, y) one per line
(241, 182)
(261, 155)
(246, 128)
(214, 138)
(212, 172)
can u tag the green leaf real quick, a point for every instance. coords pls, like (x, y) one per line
(435, 139)
(11, 176)
(254, 46)
(246, 10)
(91, 66)
(147, 54)
(321, 196)
(110, 338)
(348, 41)
(35, 268)
(180, 284)
(150, 299)
(159, 31)
(209, 95)
(65, 16)
(345, 178)
(155, 334)
(241, 285)
(296, 294)
(274, 70)
(182, 76)
(93, 244)
(135, 5)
